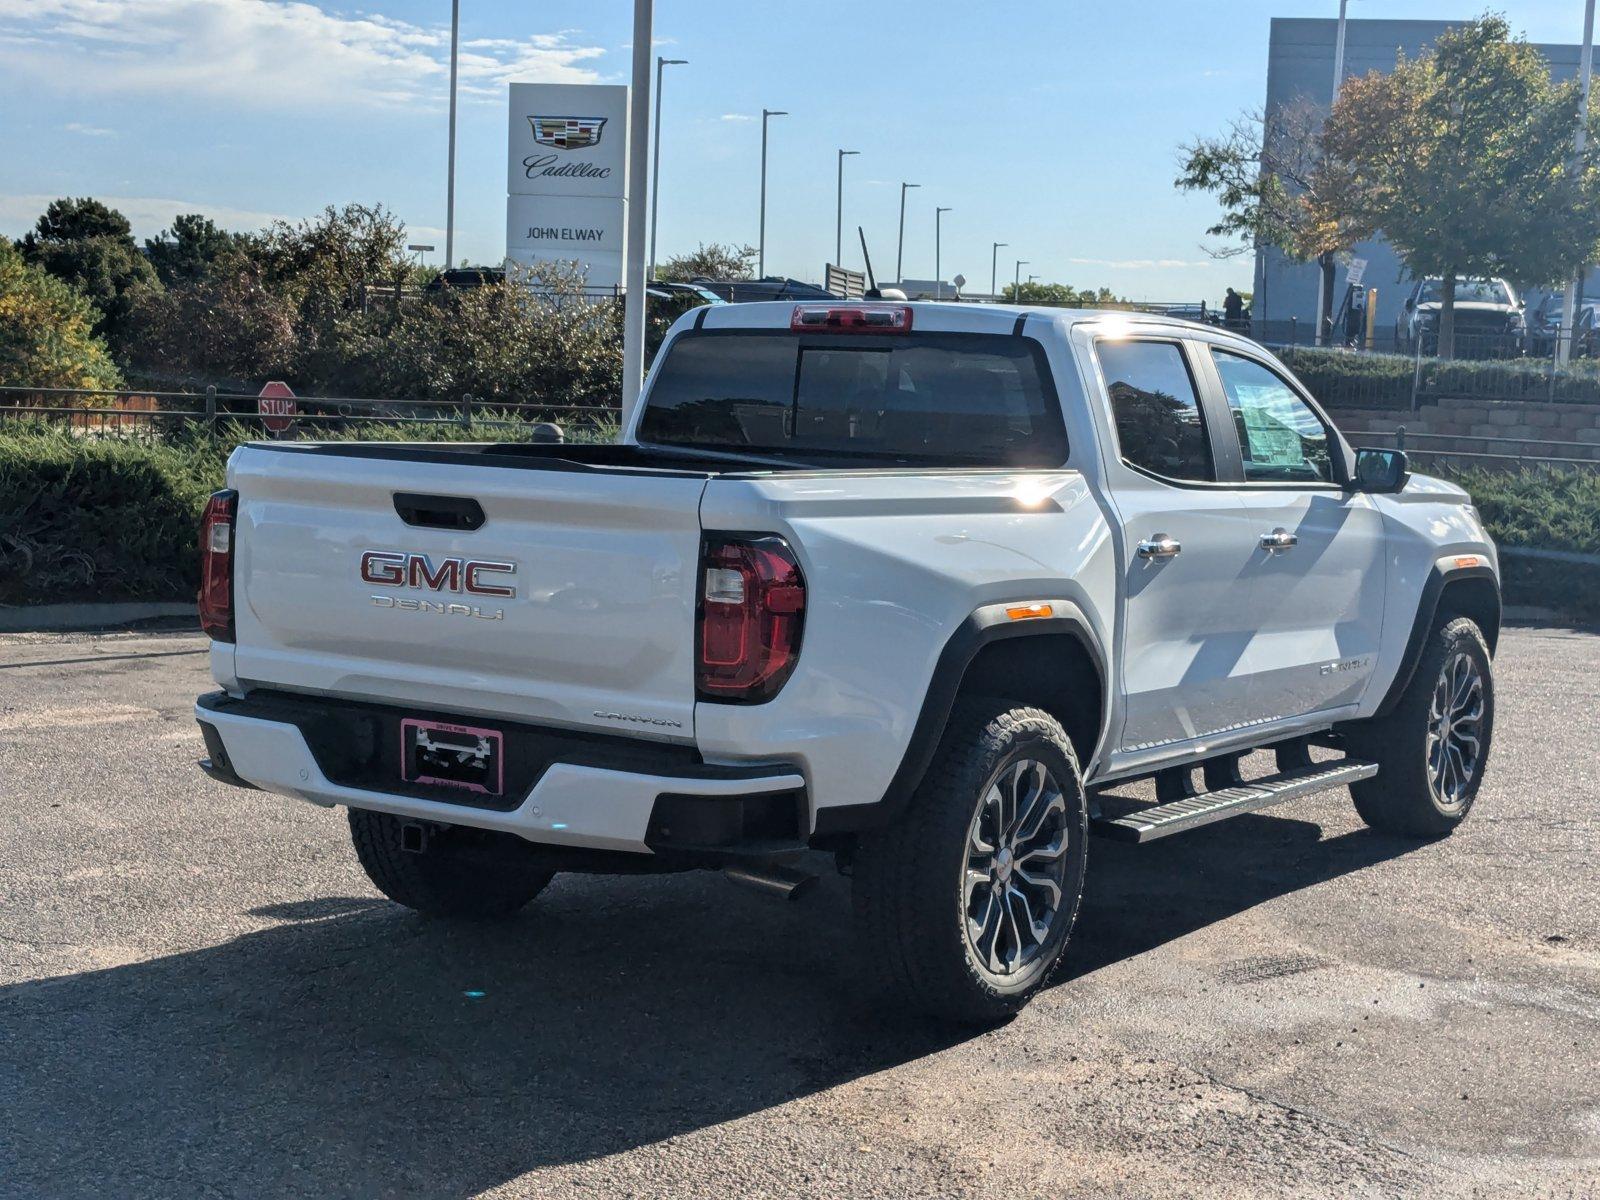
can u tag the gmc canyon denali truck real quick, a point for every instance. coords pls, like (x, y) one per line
(924, 586)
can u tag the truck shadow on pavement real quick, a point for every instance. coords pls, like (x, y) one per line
(356, 1049)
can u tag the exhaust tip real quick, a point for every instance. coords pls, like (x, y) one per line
(770, 879)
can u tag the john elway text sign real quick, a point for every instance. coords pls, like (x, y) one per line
(567, 176)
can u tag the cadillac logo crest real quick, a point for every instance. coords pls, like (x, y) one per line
(567, 133)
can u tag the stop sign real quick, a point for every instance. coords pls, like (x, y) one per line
(276, 406)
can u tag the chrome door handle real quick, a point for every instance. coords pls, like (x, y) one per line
(1159, 546)
(1278, 541)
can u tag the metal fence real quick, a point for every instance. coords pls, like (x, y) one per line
(1498, 453)
(137, 411)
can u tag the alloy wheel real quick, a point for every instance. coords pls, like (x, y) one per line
(1014, 880)
(1455, 730)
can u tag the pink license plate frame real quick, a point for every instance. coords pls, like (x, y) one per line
(410, 727)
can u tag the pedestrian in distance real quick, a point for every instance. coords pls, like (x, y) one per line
(1233, 309)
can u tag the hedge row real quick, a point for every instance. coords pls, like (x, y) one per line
(1349, 379)
(1543, 509)
(91, 519)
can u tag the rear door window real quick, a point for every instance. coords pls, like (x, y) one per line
(934, 398)
(1160, 428)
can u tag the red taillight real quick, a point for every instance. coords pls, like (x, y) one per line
(216, 565)
(851, 318)
(752, 608)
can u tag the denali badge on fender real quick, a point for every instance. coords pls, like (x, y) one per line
(388, 568)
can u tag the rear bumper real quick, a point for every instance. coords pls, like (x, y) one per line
(579, 804)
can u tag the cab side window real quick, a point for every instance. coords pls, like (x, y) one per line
(1159, 424)
(1281, 439)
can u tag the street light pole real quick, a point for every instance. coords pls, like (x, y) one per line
(1016, 281)
(1325, 261)
(655, 168)
(1569, 299)
(761, 241)
(900, 244)
(993, 258)
(633, 300)
(838, 220)
(1338, 52)
(450, 172)
(938, 234)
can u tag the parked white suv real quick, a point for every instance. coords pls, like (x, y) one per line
(925, 586)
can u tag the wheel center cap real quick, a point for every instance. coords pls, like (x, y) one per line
(1002, 864)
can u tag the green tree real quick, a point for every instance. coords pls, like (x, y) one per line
(332, 270)
(1268, 173)
(188, 250)
(713, 261)
(47, 336)
(91, 246)
(1463, 159)
(1059, 295)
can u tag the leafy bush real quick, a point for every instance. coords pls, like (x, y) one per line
(47, 336)
(100, 519)
(531, 338)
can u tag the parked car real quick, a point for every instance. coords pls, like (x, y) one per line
(692, 293)
(1488, 319)
(922, 586)
(464, 278)
(773, 287)
(1544, 323)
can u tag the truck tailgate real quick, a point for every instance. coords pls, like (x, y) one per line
(599, 630)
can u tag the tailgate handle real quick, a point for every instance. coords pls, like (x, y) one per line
(438, 512)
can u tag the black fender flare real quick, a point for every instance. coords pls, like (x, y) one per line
(982, 627)
(1427, 613)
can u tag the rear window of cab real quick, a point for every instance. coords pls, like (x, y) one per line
(920, 398)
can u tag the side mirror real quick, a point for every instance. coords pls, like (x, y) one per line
(1410, 303)
(1381, 471)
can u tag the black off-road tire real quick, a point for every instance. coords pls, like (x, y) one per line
(910, 915)
(1402, 797)
(470, 874)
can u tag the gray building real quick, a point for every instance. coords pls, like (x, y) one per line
(1299, 68)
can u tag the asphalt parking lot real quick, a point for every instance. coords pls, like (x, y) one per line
(200, 994)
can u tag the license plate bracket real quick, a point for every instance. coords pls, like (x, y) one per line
(445, 754)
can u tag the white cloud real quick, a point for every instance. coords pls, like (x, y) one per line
(737, 117)
(1143, 264)
(268, 53)
(149, 215)
(88, 130)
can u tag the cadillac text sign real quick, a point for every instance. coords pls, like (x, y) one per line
(567, 176)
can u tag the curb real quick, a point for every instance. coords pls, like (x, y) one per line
(42, 618)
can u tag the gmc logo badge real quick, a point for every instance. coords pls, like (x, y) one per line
(387, 568)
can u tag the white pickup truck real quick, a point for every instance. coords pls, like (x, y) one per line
(924, 586)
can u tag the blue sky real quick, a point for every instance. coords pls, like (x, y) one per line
(1051, 125)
